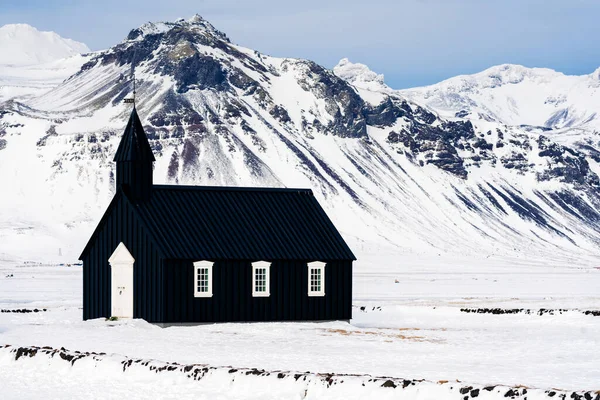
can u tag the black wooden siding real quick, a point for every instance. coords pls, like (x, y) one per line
(122, 224)
(136, 179)
(232, 293)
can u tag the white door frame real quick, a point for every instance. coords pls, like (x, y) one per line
(121, 291)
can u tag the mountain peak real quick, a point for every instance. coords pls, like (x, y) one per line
(516, 72)
(359, 75)
(196, 23)
(22, 44)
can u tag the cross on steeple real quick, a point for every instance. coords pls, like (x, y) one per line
(132, 100)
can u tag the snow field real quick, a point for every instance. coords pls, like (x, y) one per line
(415, 331)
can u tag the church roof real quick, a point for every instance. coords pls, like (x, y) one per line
(211, 222)
(134, 144)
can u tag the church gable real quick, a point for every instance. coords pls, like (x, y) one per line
(122, 224)
(119, 210)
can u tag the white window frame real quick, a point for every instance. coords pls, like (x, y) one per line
(203, 265)
(319, 265)
(261, 265)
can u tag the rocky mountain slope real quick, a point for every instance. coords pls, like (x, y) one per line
(387, 168)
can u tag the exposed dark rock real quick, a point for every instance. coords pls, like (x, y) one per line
(465, 390)
(437, 144)
(49, 133)
(242, 81)
(173, 169)
(575, 205)
(175, 111)
(280, 114)
(385, 114)
(348, 121)
(540, 312)
(525, 145)
(429, 117)
(189, 153)
(389, 384)
(247, 128)
(468, 203)
(565, 164)
(198, 72)
(25, 352)
(127, 53)
(483, 144)
(516, 161)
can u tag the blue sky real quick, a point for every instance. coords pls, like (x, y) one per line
(412, 42)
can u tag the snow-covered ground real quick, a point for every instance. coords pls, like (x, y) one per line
(411, 329)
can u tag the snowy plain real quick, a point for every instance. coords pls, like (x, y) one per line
(407, 323)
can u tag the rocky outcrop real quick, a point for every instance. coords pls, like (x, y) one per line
(311, 384)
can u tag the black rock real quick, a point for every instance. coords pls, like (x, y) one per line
(465, 390)
(389, 384)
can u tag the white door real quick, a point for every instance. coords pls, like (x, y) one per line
(121, 265)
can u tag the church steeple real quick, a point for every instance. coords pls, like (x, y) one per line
(134, 160)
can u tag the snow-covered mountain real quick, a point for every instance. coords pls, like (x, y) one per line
(516, 95)
(388, 169)
(22, 44)
(33, 62)
(513, 94)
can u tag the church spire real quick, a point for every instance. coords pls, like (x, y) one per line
(134, 160)
(134, 144)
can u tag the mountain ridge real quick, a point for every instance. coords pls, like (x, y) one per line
(22, 44)
(387, 168)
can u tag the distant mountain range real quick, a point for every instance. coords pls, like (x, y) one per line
(33, 62)
(500, 163)
(22, 44)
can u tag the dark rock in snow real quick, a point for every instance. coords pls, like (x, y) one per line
(199, 72)
(389, 384)
(465, 390)
(385, 114)
(280, 114)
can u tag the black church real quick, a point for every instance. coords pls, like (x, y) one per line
(191, 254)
